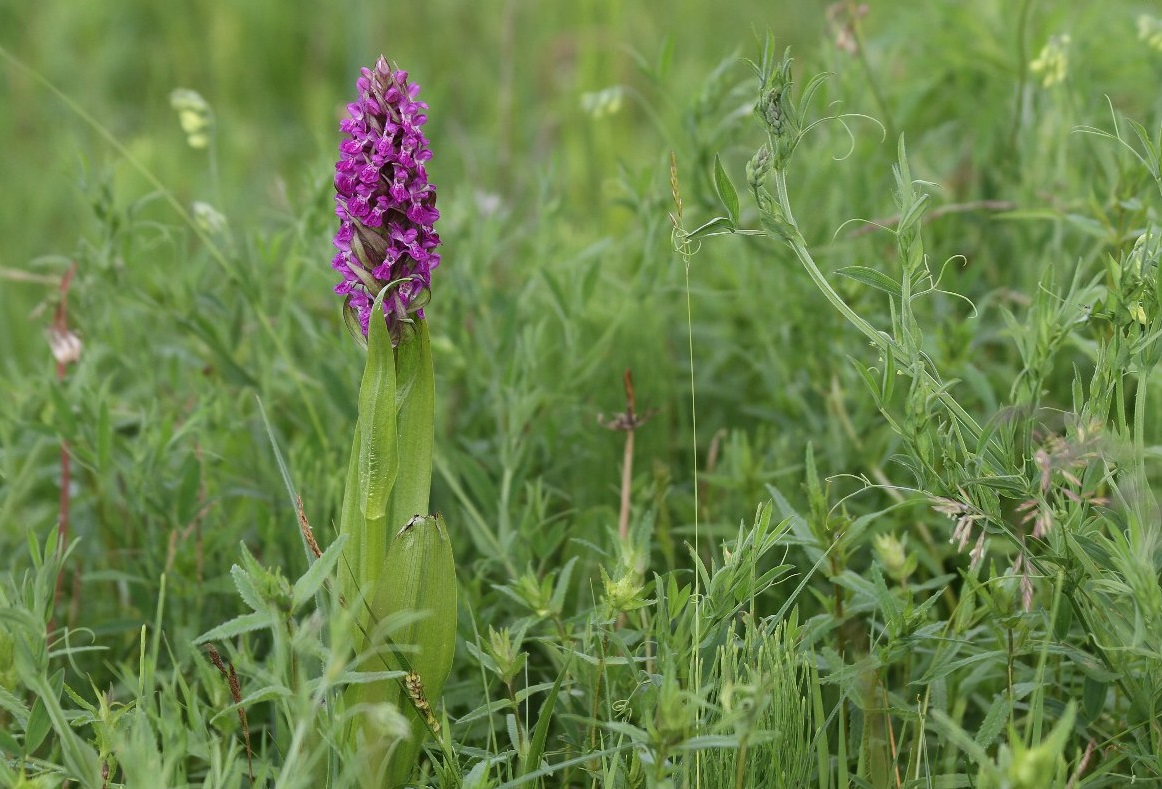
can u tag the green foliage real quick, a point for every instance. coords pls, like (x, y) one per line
(915, 540)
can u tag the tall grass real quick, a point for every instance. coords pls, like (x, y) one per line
(914, 541)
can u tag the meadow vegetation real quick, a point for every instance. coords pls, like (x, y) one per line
(880, 330)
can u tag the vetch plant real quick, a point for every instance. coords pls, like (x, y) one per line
(398, 564)
(1054, 508)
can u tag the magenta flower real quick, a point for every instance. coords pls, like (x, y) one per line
(385, 205)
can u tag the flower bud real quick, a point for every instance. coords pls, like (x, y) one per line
(776, 111)
(893, 555)
(758, 167)
(505, 652)
(624, 594)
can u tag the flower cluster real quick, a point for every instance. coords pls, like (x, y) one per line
(1052, 63)
(385, 205)
(1150, 31)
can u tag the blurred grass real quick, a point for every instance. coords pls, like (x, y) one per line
(506, 77)
(542, 203)
(558, 275)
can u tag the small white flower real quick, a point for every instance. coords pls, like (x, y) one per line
(209, 219)
(65, 345)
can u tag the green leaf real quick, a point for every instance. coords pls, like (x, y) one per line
(872, 278)
(262, 694)
(104, 436)
(39, 725)
(419, 575)
(355, 678)
(717, 225)
(8, 744)
(352, 524)
(314, 578)
(953, 735)
(246, 588)
(246, 623)
(513, 732)
(1093, 698)
(417, 579)
(477, 777)
(378, 453)
(557, 601)
(726, 191)
(415, 427)
(536, 750)
(80, 758)
(14, 707)
(994, 721)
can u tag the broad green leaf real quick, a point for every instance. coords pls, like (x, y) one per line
(378, 452)
(872, 278)
(314, 578)
(246, 589)
(719, 224)
(246, 623)
(415, 427)
(417, 576)
(39, 725)
(477, 777)
(726, 191)
(1093, 698)
(994, 721)
(912, 216)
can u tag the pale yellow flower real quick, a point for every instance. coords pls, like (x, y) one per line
(1150, 31)
(194, 115)
(1052, 64)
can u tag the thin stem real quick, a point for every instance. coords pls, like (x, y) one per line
(697, 672)
(882, 341)
(877, 94)
(1022, 72)
(1140, 424)
(600, 673)
(521, 733)
(61, 332)
(740, 763)
(696, 599)
(626, 484)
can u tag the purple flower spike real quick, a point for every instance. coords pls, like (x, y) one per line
(385, 205)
